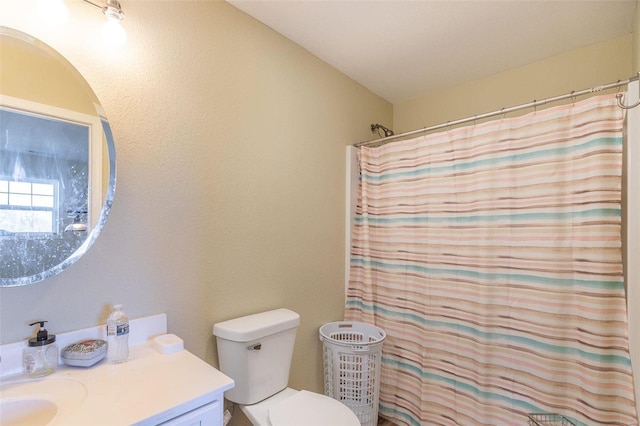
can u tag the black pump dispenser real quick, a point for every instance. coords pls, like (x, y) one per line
(43, 338)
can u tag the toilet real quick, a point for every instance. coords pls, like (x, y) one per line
(256, 351)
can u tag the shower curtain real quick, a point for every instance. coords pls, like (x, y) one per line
(491, 256)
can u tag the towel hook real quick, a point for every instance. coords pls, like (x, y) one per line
(620, 95)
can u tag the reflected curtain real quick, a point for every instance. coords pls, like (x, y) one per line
(491, 256)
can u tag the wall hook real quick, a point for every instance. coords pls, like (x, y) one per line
(620, 95)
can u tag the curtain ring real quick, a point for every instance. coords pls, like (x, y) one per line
(619, 97)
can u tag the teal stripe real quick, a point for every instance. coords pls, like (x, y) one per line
(597, 284)
(459, 385)
(490, 218)
(611, 141)
(393, 413)
(523, 341)
(401, 365)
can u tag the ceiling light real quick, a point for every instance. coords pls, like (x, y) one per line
(77, 225)
(113, 10)
(112, 30)
(53, 11)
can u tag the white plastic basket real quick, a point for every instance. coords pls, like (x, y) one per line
(352, 357)
(548, 419)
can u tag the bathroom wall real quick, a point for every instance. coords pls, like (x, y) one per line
(636, 39)
(578, 69)
(30, 75)
(230, 194)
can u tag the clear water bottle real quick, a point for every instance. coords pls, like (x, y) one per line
(117, 336)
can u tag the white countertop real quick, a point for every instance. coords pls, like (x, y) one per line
(148, 389)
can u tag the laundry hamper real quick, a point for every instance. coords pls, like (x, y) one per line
(549, 419)
(352, 358)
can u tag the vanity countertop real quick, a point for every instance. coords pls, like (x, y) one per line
(148, 389)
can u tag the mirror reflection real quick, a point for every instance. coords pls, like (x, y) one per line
(57, 161)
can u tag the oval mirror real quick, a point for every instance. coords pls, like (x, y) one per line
(57, 161)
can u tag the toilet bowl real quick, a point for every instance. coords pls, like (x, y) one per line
(291, 407)
(256, 351)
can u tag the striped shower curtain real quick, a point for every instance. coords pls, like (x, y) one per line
(491, 256)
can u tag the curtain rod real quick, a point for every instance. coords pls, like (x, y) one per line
(534, 104)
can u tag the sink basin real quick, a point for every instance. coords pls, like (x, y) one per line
(38, 401)
(26, 412)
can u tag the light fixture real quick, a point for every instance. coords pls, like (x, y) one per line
(112, 30)
(53, 11)
(77, 225)
(113, 10)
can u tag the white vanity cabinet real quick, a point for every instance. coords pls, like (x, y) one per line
(208, 415)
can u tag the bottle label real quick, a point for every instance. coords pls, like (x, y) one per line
(122, 329)
(118, 330)
(29, 363)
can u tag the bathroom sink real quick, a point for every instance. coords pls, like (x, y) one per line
(27, 412)
(38, 401)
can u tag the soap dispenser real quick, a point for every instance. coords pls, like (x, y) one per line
(41, 356)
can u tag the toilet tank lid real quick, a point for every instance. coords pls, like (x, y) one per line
(256, 326)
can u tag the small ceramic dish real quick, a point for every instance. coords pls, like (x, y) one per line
(84, 353)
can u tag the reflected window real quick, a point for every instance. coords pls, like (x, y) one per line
(27, 207)
(44, 172)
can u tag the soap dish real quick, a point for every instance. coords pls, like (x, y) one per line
(84, 353)
(168, 344)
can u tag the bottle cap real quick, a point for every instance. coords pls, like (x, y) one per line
(42, 338)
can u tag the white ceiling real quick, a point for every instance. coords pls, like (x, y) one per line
(405, 49)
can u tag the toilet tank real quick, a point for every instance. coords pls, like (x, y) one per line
(256, 351)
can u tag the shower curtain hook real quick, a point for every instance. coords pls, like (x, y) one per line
(620, 95)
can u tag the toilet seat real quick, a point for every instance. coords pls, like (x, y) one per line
(311, 409)
(292, 407)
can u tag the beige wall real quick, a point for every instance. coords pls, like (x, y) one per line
(35, 73)
(230, 196)
(636, 39)
(579, 69)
